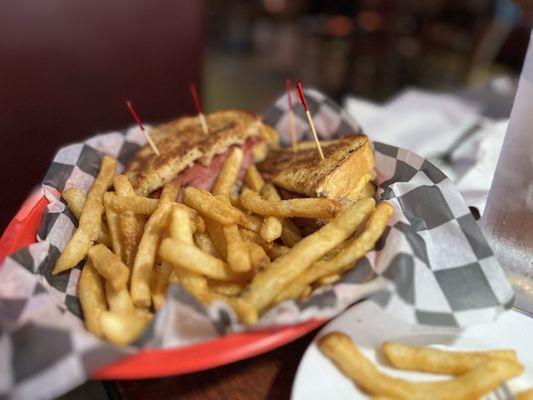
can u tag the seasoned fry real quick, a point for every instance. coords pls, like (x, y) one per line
(228, 174)
(147, 206)
(211, 207)
(259, 258)
(193, 282)
(216, 234)
(75, 200)
(253, 179)
(90, 219)
(270, 229)
(119, 300)
(238, 254)
(427, 359)
(188, 256)
(180, 225)
(147, 250)
(266, 285)
(347, 257)
(306, 208)
(131, 225)
(254, 237)
(290, 234)
(114, 229)
(92, 298)
(225, 288)
(109, 266)
(123, 329)
(329, 279)
(135, 204)
(277, 250)
(250, 221)
(204, 243)
(160, 278)
(471, 385)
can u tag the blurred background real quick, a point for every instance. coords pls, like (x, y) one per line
(67, 67)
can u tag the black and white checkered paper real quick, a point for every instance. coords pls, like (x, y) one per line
(432, 266)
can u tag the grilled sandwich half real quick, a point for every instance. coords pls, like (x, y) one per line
(185, 149)
(348, 165)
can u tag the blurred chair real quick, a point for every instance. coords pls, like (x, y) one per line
(67, 67)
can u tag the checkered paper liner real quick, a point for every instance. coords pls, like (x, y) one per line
(432, 266)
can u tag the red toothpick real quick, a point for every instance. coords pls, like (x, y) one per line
(139, 122)
(201, 116)
(309, 119)
(288, 86)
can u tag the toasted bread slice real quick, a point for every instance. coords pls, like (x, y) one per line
(347, 161)
(182, 142)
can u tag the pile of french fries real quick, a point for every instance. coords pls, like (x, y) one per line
(236, 243)
(474, 373)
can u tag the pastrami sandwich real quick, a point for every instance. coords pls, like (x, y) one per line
(193, 157)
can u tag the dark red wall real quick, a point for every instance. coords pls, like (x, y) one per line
(66, 68)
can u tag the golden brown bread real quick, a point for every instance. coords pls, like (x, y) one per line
(182, 142)
(347, 161)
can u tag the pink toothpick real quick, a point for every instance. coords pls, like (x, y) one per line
(139, 122)
(201, 116)
(288, 86)
(309, 119)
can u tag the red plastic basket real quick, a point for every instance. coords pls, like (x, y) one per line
(159, 362)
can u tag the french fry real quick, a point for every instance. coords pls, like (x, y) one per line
(216, 234)
(271, 229)
(228, 174)
(347, 257)
(305, 208)
(250, 221)
(123, 329)
(75, 200)
(253, 179)
(131, 225)
(211, 207)
(328, 279)
(260, 260)
(193, 282)
(265, 286)
(256, 238)
(90, 220)
(92, 298)
(204, 243)
(188, 256)
(114, 229)
(109, 266)
(119, 300)
(180, 225)
(427, 359)
(147, 250)
(473, 384)
(135, 204)
(277, 250)
(160, 278)
(290, 234)
(524, 395)
(147, 206)
(238, 254)
(225, 288)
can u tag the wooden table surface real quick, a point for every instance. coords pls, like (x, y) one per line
(267, 376)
